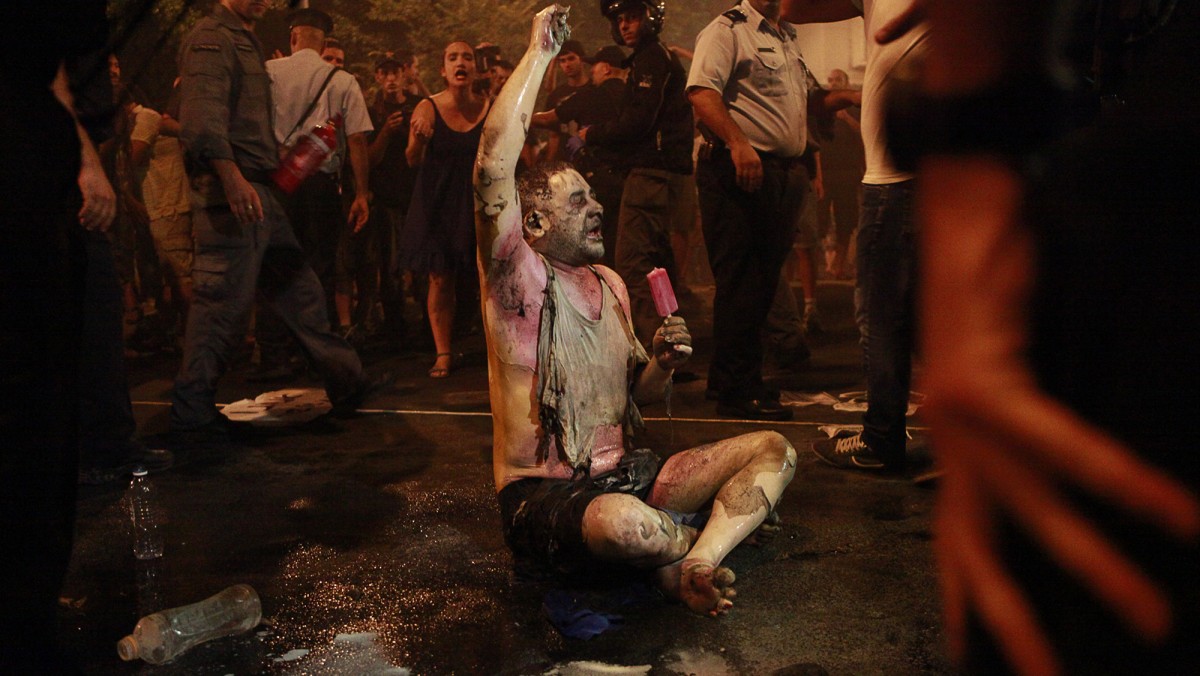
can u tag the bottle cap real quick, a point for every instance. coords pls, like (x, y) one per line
(140, 471)
(127, 648)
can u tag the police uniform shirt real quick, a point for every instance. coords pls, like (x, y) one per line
(761, 77)
(295, 81)
(225, 94)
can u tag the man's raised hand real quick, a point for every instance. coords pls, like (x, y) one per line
(550, 29)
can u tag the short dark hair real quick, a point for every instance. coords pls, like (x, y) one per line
(533, 187)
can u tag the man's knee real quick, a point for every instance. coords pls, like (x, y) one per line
(622, 527)
(774, 447)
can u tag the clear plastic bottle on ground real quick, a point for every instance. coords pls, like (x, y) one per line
(160, 637)
(146, 515)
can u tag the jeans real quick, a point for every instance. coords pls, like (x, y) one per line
(887, 282)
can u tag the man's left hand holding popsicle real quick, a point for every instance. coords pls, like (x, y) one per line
(672, 344)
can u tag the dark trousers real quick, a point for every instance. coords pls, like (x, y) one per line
(366, 262)
(315, 214)
(644, 239)
(42, 264)
(232, 262)
(748, 236)
(106, 422)
(886, 285)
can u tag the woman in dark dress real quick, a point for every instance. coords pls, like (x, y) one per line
(439, 233)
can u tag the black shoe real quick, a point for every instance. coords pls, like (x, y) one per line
(847, 450)
(153, 460)
(348, 405)
(755, 409)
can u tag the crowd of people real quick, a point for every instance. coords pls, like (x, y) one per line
(555, 218)
(388, 233)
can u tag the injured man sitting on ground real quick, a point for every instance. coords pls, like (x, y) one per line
(566, 373)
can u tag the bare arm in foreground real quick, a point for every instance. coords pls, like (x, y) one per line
(1008, 448)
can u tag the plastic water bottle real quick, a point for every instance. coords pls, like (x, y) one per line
(160, 637)
(146, 515)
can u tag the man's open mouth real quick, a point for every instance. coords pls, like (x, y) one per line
(595, 233)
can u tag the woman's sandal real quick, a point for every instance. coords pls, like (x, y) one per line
(440, 371)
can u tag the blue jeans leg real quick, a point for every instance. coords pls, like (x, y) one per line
(887, 280)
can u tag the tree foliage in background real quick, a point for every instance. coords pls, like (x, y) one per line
(148, 32)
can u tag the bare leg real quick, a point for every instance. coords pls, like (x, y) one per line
(622, 528)
(441, 319)
(744, 477)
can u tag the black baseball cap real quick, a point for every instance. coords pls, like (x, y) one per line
(573, 47)
(610, 54)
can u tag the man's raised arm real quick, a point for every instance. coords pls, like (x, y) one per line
(497, 214)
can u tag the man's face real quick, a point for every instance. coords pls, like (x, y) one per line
(334, 55)
(768, 8)
(248, 10)
(458, 64)
(114, 70)
(629, 25)
(390, 79)
(839, 80)
(573, 235)
(570, 64)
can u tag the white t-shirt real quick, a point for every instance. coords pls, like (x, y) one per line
(295, 81)
(165, 188)
(882, 60)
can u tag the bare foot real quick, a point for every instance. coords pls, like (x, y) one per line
(766, 531)
(703, 587)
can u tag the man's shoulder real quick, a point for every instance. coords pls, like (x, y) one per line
(732, 17)
(208, 35)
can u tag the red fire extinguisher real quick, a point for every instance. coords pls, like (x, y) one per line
(307, 155)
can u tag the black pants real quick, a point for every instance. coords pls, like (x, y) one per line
(748, 236)
(106, 422)
(41, 293)
(315, 213)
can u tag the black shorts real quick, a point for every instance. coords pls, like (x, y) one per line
(543, 518)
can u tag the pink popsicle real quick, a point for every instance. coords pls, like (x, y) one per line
(664, 295)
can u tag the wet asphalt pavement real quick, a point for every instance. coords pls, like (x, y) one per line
(375, 543)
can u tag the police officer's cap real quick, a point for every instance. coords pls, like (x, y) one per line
(311, 17)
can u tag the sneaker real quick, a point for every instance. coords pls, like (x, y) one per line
(847, 450)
